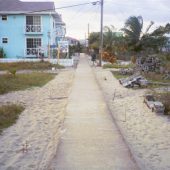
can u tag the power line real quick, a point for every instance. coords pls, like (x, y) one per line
(80, 13)
(87, 3)
(84, 12)
(95, 15)
(69, 6)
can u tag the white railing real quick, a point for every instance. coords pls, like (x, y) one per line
(33, 28)
(32, 51)
(63, 62)
(17, 60)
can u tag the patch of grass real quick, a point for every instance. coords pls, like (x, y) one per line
(23, 81)
(117, 66)
(9, 114)
(118, 75)
(155, 77)
(154, 86)
(29, 66)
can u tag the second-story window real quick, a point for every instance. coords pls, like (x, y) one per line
(33, 23)
(4, 40)
(4, 18)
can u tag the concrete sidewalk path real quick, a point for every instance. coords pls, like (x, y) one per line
(91, 140)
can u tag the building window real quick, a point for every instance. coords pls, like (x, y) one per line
(33, 46)
(4, 17)
(33, 23)
(4, 40)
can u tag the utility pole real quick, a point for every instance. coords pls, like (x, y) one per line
(58, 55)
(88, 38)
(101, 34)
(88, 30)
(85, 40)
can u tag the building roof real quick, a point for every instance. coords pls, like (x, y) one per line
(57, 17)
(14, 6)
(71, 38)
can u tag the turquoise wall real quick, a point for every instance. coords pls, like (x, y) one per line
(13, 29)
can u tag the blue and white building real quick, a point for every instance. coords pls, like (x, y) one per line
(29, 28)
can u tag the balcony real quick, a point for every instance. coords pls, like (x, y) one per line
(33, 29)
(33, 52)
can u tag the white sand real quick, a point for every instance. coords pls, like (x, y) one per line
(147, 133)
(40, 125)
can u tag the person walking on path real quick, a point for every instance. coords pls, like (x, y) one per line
(93, 57)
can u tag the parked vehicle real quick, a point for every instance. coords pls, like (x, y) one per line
(154, 105)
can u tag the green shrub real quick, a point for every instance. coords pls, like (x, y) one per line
(118, 75)
(23, 81)
(168, 57)
(117, 66)
(29, 66)
(12, 71)
(9, 114)
(2, 53)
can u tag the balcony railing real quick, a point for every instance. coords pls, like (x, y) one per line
(33, 51)
(33, 29)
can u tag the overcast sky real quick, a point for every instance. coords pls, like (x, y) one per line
(115, 13)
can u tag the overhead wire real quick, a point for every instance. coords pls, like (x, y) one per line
(92, 10)
(64, 7)
(68, 6)
(87, 3)
(95, 16)
(81, 14)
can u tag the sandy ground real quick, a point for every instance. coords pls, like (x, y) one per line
(91, 140)
(146, 132)
(39, 126)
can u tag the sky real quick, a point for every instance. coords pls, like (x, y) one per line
(115, 13)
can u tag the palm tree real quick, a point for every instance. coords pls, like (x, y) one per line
(109, 38)
(94, 40)
(113, 43)
(133, 31)
(138, 40)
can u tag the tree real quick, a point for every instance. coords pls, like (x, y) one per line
(94, 40)
(157, 39)
(133, 30)
(2, 53)
(138, 41)
(78, 48)
(113, 42)
(109, 38)
(75, 49)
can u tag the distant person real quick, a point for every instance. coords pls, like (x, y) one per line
(93, 57)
